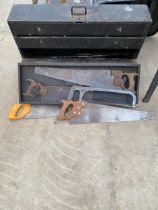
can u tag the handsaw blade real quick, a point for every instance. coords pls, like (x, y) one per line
(95, 113)
(55, 94)
(88, 77)
(43, 111)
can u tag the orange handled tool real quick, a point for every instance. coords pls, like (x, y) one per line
(19, 111)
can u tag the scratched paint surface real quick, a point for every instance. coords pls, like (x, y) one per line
(47, 166)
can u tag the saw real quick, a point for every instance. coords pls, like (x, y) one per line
(53, 94)
(78, 112)
(83, 91)
(114, 79)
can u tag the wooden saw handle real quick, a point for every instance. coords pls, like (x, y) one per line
(71, 109)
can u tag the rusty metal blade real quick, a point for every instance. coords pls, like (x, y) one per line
(95, 113)
(88, 77)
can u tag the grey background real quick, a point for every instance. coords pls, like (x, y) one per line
(89, 167)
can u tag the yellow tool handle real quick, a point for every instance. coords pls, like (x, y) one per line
(24, 110)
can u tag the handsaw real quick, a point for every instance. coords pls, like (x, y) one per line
(79, 113)
(115, 79)
(85, 113)
(53, 94)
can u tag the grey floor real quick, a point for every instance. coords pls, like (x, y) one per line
(62, 167)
